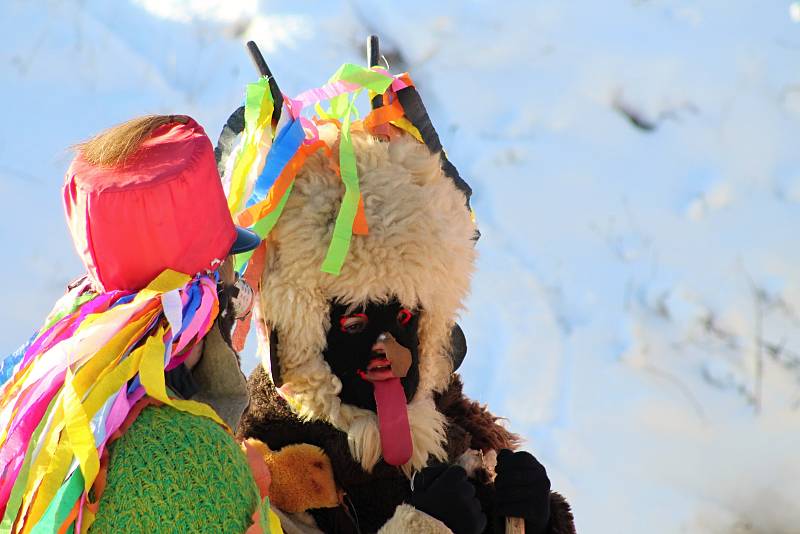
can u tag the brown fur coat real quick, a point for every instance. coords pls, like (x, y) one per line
(371, 498)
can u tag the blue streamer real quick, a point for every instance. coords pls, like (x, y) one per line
(192, 305)
(124, 300)
(11, 361)
(286, 144)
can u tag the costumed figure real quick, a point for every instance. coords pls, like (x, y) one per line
(369, 246)
(116, 415)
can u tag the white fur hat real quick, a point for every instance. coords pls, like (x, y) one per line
(420, 250)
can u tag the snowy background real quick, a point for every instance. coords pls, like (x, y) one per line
(636, 313)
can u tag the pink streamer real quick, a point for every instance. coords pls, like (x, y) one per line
(294, 107)
(312, 133)
(30, 414)
(13, 451)
(326, 92)
(33, 400)
(117, 414)
(67, 326)
(9, 477)
(201, 317)
(398, 84)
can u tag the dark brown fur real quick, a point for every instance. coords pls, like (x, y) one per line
(372, 497)
(471, 426)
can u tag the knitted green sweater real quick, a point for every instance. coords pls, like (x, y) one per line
(176, 472)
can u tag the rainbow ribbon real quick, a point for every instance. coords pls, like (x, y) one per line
(70, 388)
(258, 108)
(295, 142)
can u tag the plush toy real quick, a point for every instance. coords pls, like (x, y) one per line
(369, 246)
(301, 477)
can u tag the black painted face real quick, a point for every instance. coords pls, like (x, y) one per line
(350, 342)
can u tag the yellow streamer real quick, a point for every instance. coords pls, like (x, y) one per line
(86, 391)
(79, 433)
(274, 523)
(48, 462)
(151, 373)
(113, 380)
(104, 360)
(404, 124)
(254, 138)
(53, 478)
(41, 464)
(168, 280)
(88, 519)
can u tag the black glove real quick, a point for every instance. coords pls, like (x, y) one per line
(522, 489)
(444, 492)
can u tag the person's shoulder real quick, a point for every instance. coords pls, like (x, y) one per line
(174, 468)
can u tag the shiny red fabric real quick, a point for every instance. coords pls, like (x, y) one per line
(165, 208)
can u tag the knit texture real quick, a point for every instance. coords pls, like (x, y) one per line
(175, 472)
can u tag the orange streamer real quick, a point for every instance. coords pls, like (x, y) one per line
(262, 209)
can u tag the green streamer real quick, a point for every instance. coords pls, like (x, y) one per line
(257, 95)
(69, 308)
(263, 516)
(343, 229)
(61, 505)
(262, 228)
(343, 108)
(362, 76)
(18, 491)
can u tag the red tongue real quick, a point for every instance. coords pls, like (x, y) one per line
(393, 421)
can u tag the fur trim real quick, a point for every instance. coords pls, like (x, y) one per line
(561, 519)
(419, 250)
(408, 519)
(471, 425)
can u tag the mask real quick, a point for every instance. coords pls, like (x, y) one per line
(358, 357)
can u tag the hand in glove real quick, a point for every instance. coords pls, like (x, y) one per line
(522, 489)
(444, 492)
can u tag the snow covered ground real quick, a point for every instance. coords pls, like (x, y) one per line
(636, 313)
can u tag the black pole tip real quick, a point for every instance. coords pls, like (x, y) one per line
(373, 57)
(263, 69)
(258, 59)
(373, 50)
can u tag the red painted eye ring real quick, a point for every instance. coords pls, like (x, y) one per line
(404, 317)
(345, 318)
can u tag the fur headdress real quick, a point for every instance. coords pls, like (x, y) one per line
(419, 249)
